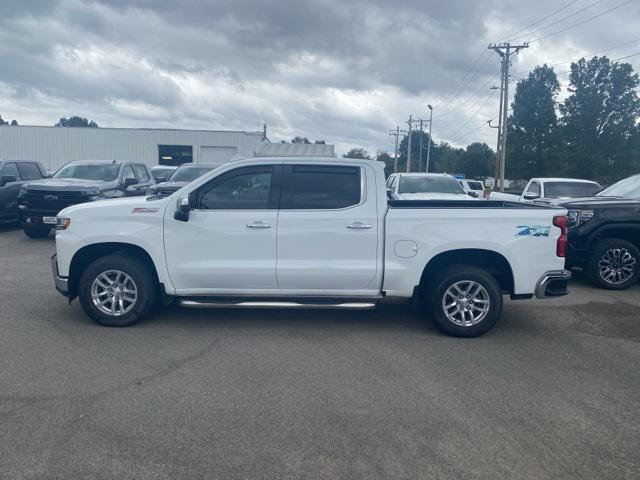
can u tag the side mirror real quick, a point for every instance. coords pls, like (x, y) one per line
(7, 179)
(130, 181)
(473, 194)
(183, 207)
(389, 194)
(161, 179)
(531, 196)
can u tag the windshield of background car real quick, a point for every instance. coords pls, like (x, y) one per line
(429, 185)
(89, 171)
(188, 174)
(570, 189)
(475, 185)
(629, 188)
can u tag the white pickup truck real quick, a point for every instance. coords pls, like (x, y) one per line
(307, 232)
(544, 189)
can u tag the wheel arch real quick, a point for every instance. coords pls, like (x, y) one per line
(87, 254)
(629, 232)
(489, 260)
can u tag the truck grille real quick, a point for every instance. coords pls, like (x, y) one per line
(52, 201)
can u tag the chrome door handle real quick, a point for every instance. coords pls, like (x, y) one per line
(359, 226)
(258, 225)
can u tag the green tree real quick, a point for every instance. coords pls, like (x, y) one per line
(599, 119)
(3, 122)
(415, 152)
(357, 153)
(445, 158)
(76, 121)
(303, 140)
(533, 140)
(476, 161)
(387, 159)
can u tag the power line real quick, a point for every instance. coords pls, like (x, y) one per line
(538, 21)
(471, 117)
(462, 80)
(613, 60)
(462, 102)
(582, 22)
(560, 20)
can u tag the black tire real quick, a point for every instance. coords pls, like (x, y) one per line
(36, 232)
(601, 252)
(458, 275)
(144, 282)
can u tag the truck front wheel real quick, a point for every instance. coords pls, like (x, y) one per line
(466, 301)
(117, 290)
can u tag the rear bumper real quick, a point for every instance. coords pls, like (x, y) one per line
(61, 283)
(553, 284)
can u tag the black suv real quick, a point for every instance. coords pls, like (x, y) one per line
(78, 182)
(604, 234)
(184, 175)
(13, 174)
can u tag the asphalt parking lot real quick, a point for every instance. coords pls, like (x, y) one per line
(552, 392)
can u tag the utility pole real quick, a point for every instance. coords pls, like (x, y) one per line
(396, 134)
(420, 156)
(410, 122)
(505, 50)
(429, 146)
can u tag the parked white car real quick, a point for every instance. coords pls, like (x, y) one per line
(425, 186)
(542, 189)
(307, 231)
(474, 188)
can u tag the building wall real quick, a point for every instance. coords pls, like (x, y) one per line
(55, 146)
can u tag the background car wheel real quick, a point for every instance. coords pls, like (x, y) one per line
(466, 301)
(614, 264)
(117, 290)
(36, 232)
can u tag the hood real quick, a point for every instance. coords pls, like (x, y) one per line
(117, 205)
(434, 196)
(592, 201)
(66, 184)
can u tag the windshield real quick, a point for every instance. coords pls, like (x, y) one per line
(429, 185)
(162, 171)
(475, 185)
(570, 189)
(629, 188)
(188, 174)
(89, 171)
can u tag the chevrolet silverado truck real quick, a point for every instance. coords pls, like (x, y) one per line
(77, 182)
(307, 232)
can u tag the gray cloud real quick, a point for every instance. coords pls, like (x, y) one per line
(342, 71)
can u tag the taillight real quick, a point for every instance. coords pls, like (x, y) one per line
(562, 222)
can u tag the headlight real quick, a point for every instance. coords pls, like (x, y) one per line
(63, 223)
(579, 217)
(22, 192)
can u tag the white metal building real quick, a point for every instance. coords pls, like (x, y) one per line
(55, 146)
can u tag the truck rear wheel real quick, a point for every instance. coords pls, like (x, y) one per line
(117, 290)
(614, 264)
(466, 301)
(36, 232)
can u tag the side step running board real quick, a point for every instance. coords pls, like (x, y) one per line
(214, 303)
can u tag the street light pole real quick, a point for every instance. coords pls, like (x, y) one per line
(429, 146)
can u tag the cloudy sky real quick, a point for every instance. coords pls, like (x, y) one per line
(344, 71)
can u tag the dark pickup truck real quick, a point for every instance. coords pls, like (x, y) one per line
(78, 182)
(604, 234)
(13, 174)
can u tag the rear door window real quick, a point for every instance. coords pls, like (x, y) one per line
(316, 187)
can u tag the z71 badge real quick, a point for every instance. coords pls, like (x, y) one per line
(532, 231)
(144, 210)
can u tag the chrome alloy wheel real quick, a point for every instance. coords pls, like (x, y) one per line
(616, 266)
(466, 303)
(114, 293)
